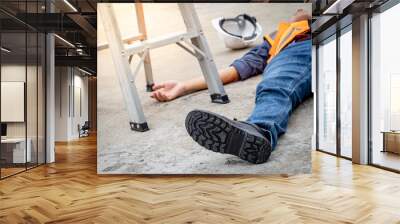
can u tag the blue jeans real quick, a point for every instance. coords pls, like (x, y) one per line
(286, 82)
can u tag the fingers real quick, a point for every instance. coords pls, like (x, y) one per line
(158, 86)
(163, 96)
(159, 96)
(154, 95)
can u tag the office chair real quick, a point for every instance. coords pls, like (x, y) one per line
(84, 130)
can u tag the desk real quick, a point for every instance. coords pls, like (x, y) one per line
(15, 148)
(391, 141)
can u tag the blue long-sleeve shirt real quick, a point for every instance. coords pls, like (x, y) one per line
(254, 62)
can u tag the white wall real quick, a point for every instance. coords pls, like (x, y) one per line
(80, 83)
(33, 126)
(15, 72)
(62, 82)
(69, 82)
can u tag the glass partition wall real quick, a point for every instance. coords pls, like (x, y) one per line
(13, 86)
(22, 98)
(334, 83)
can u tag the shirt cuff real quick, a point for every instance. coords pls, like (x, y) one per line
(242, 68)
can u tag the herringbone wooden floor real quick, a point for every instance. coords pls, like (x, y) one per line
(69, 191)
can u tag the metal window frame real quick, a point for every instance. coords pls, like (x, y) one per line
(341, 29)
(318, 96)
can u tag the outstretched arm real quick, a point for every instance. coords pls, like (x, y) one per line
(170, 90)
(251, 64)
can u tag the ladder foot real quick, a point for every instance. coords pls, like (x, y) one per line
(142, 127)
(149, 87)
(218, 98)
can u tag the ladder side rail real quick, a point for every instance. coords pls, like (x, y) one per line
(207, 64)
(123, 72)
(148, 71)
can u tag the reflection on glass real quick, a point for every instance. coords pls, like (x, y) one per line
(385, 114)
(346, 94)
(14, 153)
(327, 97)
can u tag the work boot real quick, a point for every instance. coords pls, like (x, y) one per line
(223, 135)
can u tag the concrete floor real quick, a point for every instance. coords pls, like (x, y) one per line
(166, 148)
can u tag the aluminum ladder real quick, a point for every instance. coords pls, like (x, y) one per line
(192, 40)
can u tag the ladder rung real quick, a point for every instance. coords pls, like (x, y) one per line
(131, 39)
(171, 38)
(126, 40)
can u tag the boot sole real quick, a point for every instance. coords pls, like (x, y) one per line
(219, 134)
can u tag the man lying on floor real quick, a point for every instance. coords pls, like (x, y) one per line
(284, 59)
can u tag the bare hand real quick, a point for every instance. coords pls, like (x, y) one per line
(168, 90)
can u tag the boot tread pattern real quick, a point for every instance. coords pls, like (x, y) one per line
(216, 134)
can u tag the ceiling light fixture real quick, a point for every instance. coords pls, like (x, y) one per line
(337, 7)
(65, 41)
(79, 51)
(5, 50)
(84, 71)
(70, 5)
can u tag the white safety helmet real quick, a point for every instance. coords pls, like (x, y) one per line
(238, 32)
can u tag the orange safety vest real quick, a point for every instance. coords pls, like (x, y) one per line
(286, 33)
